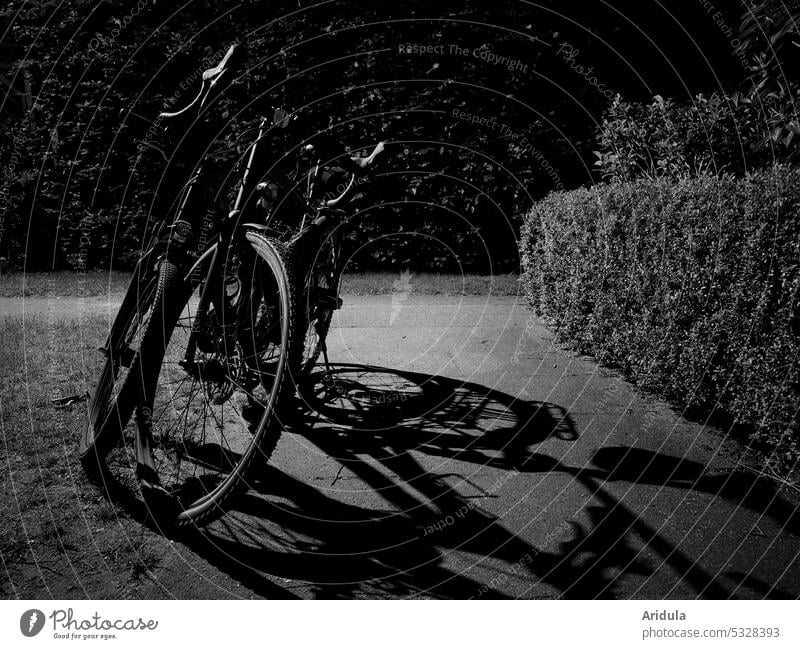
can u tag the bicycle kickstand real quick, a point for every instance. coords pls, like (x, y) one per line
(324, 347)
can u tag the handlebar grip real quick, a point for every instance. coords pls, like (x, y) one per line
(232, 59)
(214, 74)
(363, 163)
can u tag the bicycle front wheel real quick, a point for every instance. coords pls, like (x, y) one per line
(209, 415)
(113, 401)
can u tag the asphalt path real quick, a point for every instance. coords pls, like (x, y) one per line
(455, 451)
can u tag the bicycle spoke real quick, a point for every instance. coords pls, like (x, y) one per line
(202, 428)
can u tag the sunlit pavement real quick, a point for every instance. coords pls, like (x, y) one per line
(458, 452)
(453, 450)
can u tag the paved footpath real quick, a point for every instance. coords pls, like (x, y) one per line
(457, 452)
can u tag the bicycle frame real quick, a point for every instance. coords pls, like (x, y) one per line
(229, 232)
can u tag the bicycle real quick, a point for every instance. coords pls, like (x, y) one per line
(316, 246)
(221, 319)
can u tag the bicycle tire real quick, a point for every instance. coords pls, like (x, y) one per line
(169, 498)
(113, 400)
(321, 279)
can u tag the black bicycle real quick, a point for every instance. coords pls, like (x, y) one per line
(227, 311)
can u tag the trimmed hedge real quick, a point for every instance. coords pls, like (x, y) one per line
(690, 287)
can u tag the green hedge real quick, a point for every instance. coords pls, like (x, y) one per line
(690, 287)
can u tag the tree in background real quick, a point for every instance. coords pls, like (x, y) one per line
(770, 39)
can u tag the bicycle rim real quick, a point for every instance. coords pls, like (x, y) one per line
(321, 294)
(112, 402)
(204, 423)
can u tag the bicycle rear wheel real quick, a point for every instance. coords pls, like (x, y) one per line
(320, 298)
(208, 416)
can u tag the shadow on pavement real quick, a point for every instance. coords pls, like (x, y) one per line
(436, 536)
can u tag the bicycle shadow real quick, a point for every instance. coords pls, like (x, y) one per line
(376, 423)
(372, 420)
(373, 407)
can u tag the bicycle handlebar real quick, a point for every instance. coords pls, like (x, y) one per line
(363, 163)
(358, 165)
(209, 80)
(335, 201)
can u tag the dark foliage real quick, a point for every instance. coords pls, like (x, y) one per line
(79, 181)
(716, 134)
(769, 39)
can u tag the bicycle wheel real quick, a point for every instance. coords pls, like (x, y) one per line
(207, 416)
(113, 400)
(320, 299)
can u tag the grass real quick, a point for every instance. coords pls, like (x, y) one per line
(58, 536)
(63, 283)
(98, 283)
